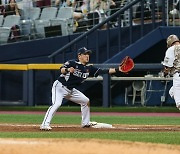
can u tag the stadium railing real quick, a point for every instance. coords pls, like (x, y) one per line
(29, 71)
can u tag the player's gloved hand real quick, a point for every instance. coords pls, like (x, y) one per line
(126, 65)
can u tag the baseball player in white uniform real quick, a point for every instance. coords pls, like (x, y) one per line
(172, 66)
(72, 74)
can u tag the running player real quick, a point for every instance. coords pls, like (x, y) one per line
(72, 74)
(172, 66)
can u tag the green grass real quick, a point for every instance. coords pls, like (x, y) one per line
(76, 119)
(172, 137)
(93, 109)
(153, 137)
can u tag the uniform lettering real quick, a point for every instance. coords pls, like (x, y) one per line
(80, 74)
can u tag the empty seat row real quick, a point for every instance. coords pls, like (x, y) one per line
(38, 24)
(49, 16)
(35, 22)
(6, 26)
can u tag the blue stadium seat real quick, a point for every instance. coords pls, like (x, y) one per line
(44, 21)
(27, 24)
(9, 22)
(65, 19)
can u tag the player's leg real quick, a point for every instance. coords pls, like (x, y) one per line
(176, 86)
(79, 98)
(171, 92)
(58, 93)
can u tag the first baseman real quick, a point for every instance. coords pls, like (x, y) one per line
(172, 66)
(72, 74)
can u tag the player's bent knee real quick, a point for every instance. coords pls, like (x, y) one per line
(86, 101)
(83, 100)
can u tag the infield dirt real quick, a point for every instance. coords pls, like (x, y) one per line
(74, 128)
(82, 146)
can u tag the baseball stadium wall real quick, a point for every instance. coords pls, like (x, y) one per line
(113, 89)
(11, 82)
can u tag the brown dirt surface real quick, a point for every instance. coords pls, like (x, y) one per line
(76, 128)
(82, 146)
(86, 146)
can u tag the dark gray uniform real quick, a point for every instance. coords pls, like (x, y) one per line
(65, 87)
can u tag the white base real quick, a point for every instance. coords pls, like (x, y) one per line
(102, 125)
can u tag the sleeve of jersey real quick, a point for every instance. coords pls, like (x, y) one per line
(66, 65)
(169, 58)
(97, 71)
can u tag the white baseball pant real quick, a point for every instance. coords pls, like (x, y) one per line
(58, 93)
(175, 89)
(171, 92)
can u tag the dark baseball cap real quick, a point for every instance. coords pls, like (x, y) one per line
(83, 50)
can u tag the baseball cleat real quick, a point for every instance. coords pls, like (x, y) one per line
(45, 127)
(91, 124)
(86, 126)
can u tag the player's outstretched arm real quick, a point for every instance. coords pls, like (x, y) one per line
(126, 65)
(112, 70)
(115, 70)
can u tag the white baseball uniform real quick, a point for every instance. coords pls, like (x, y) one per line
(172, 60)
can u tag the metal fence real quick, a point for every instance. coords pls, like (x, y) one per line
(155, 17)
